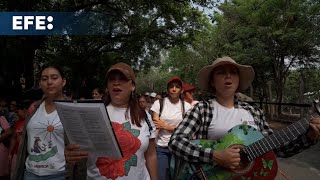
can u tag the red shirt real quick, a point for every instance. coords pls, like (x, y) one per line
(18, 129)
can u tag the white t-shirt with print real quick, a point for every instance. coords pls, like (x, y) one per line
(172, 115)
(133, 141)
(45, 143)
(225, 118)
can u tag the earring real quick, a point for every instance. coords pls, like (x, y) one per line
(132, 94)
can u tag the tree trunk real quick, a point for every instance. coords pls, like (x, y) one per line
(270, 99)
(301, 90)
(280, 99)
(279, 80)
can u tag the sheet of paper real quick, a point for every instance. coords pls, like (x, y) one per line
(87, 123)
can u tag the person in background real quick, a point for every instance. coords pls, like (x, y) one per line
(213, 118)
(5, 133)
(148, 99)
(243, 97)
(147, 96)
(13, 105)
(3, 104)
(21, 111)
(97, 93)
(164, 94)
(143, 104)
(158, 97)
(9, 110)
(188, 94)
(138, 144)
(167, 114)
(152, 97)
(41, 150)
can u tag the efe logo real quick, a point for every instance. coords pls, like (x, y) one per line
(37, 22)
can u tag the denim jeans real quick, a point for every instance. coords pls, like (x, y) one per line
(164, 157)
(30, 176)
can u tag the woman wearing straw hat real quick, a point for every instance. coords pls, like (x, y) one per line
(213, 118)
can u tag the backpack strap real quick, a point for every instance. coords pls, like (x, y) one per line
(161, 101)
(147, 121)
(183, 110)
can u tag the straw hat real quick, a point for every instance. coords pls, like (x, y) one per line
(246, 73)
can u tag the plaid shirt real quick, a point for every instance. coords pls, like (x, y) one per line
(197, 121)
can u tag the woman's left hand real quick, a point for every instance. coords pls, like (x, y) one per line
(314, 132)
(73, 153)
(160, 124)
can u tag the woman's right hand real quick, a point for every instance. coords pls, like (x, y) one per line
(228, 158)
(73, 153)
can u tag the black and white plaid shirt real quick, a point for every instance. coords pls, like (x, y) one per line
(197, 121)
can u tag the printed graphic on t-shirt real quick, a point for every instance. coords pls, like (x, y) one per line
(43, 147)
(129, 144)
(248, 122)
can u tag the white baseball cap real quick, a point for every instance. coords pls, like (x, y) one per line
(153, 94)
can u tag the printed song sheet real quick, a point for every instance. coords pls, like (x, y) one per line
(87, 123)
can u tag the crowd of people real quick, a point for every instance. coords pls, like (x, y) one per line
(33, 144)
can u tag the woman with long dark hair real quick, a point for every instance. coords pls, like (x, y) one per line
(167, 114)
(41, 151)
(133, 128)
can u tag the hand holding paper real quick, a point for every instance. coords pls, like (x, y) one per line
(73, 153)
(88, 128)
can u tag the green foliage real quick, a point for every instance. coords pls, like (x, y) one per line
(311, 85)
(134, 30)
(154, 80)
(272, 36)
(184, 63)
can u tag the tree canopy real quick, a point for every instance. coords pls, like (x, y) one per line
(275, 37)
(279, 38)
(137, 31)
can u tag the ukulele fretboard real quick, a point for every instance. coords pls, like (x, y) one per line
(276, 140)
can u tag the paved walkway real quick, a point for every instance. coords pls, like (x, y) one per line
(303, 166)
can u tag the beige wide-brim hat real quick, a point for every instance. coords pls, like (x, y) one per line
(246, 73)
